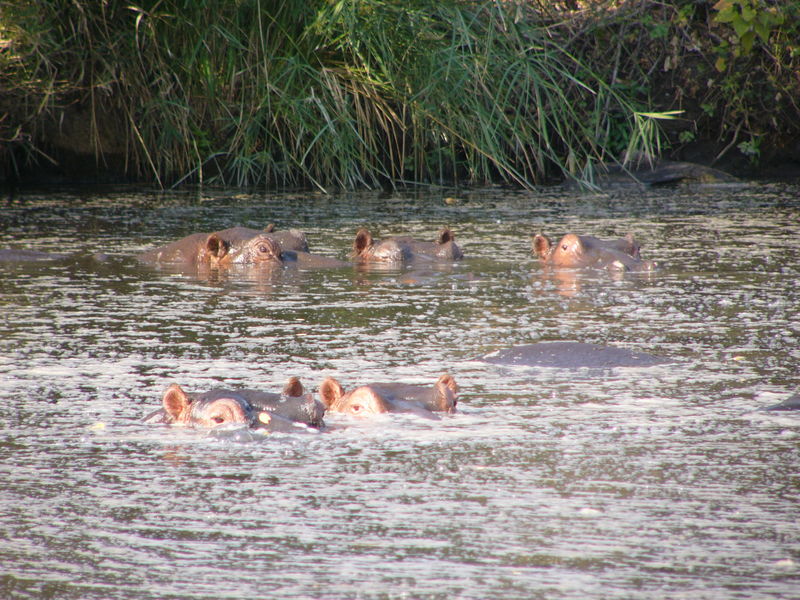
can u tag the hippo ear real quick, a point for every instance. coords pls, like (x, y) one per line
(448, 382)
(633, 246)
(269, 228)
(541, 245)
(362, 243)
(175, 401)
(216, 246)
(446, 392)
(445, 398)
(445, 235)
(330, 391)
(293, 388)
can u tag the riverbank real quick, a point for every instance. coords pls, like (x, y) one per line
(374, 93)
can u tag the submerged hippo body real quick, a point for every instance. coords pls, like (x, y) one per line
(791, 403)
(258, 410)
(404, 248)
(441, 397)
(586, 251)
(571, 355)
(237, 245)
(377, 398)
(12, 255)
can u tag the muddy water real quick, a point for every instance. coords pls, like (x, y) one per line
(659, 482)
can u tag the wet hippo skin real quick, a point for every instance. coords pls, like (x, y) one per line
(237, 245)
(292, 403)
(791, 403)
(571, 355)
(240, 246)
(586, 251)
(404, 248)
(12, 255)
(257, 409)
(441, 397)
(378, 398)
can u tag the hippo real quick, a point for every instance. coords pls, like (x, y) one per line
(581, 251)
(237, 245)
(12, 255)
(571, 355)
(261, 410)
(377, 398)
(292, 403)
(241, 246)
(404, 248)
(642, 170)
(791, 403)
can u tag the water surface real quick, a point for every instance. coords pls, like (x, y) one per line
(652, 482)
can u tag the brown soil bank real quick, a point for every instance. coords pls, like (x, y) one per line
(731, 68)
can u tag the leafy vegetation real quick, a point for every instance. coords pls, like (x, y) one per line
(349, 94)
(730, 66)
(336, 93)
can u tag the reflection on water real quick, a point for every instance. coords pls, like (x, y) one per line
(549, 483)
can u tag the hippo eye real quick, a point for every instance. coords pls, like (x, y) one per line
(355, 408)
(262, 248)
(564, 247)
(218, 419)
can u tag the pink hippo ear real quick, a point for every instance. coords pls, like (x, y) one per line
(541, 245)
(449, 382)
(445, 235)
(269, 228)
(216, 246)
(446, 393)
(293, 388)
(362, 243)
(330, 391)
(176, 403)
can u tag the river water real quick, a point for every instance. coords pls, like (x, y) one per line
(658, 482)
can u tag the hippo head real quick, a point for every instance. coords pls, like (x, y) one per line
(446, 245)
(360, 401)
(208, 410)
(586, 251)
(295, 404)
(569, 252)
(365, 248)
(260, 249)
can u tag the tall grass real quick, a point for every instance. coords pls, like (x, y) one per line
(323, 92)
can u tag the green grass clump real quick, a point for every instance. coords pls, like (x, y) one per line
(322, 92)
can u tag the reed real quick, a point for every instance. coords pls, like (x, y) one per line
(336, 94)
